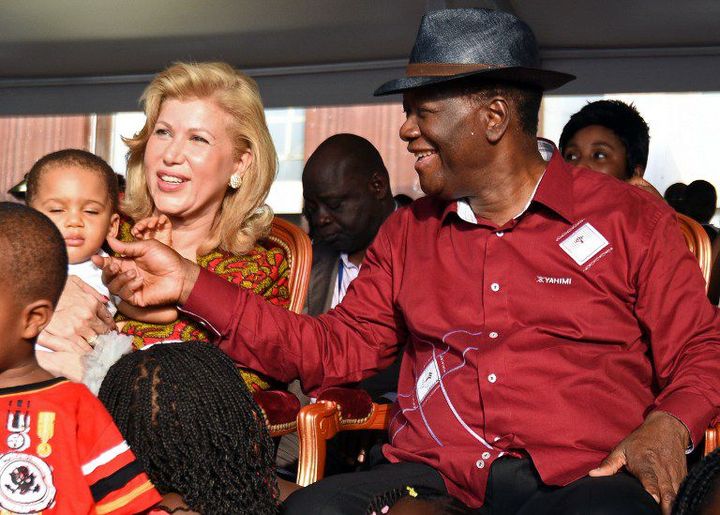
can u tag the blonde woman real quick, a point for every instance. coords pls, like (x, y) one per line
(199, 172)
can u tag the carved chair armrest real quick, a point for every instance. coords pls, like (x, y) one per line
(336, 409)
(317, 423)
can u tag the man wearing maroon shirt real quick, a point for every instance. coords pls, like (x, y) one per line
(548, 366)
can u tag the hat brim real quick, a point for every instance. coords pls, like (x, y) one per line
(544, 79)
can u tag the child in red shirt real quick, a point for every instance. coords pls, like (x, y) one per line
(60, 451)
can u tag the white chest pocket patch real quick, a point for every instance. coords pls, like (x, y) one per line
(583, 243)
(429, 378)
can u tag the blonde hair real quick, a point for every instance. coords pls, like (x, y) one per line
(243, 217)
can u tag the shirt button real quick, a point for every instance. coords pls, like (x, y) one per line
(499, 234)
(493, 335)
(494, 286)
(486, 455)
(480, 464)
(492, 378)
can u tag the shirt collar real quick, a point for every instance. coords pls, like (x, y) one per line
(554, 190)
(347, 264)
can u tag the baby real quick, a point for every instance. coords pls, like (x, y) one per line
(78, 191)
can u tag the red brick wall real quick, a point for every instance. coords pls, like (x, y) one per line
(379, 123)
(24, 140)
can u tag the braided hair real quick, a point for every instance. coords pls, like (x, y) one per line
(192, 423)
(700, 487)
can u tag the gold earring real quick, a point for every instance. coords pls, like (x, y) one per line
(235, 181)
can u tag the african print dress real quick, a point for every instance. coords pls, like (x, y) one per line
(264, 270)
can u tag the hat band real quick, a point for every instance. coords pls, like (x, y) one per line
(442, 69)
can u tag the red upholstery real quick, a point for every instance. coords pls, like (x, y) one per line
(354, 405)
(280, 409)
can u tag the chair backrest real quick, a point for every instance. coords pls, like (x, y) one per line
(298, 251)
(698, 242)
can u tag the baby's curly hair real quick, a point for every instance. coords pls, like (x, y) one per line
(192, 423)
(75, 158)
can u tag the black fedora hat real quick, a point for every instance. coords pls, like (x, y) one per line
(456, 43)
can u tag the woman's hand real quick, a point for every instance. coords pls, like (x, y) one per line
(153, 228)
(148, 273)
(62, 364)
(80, 316)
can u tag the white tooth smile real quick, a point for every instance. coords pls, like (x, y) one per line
(420, 155)
(171, 178)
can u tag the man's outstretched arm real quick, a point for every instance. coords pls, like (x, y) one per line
(356, 339)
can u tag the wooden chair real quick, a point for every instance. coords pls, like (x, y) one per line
(298, 251)
(336, 409)
(280, 408)
(699, 244)
(345, 409)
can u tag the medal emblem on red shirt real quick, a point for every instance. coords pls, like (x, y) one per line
(18, 425)
(26, 484)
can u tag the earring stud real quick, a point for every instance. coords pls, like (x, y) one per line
(235, 181)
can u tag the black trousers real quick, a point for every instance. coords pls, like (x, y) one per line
(514, 487)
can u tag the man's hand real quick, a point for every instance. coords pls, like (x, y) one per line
(79, 317)
(655, 454)
(148, 273)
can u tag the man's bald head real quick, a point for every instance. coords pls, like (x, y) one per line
(347, 192)
(358, 156)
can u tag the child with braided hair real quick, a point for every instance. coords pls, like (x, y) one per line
(699, 494)
(193, 424)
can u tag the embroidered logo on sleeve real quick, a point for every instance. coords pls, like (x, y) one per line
(583, 243)
(429, 378)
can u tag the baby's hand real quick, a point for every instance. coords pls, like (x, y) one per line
(154, 227)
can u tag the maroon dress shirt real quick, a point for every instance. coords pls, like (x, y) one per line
(552, 336)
